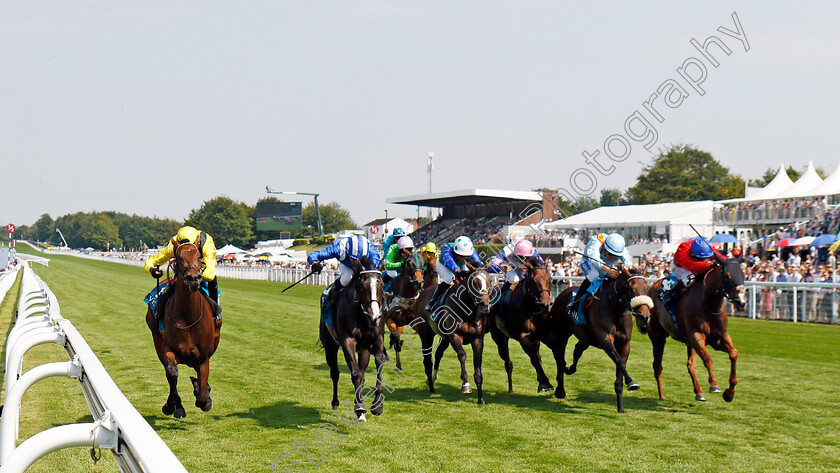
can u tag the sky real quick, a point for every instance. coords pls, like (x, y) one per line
(154, 107)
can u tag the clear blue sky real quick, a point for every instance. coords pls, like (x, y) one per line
(155, 107)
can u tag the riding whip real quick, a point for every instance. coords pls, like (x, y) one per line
(298, 282)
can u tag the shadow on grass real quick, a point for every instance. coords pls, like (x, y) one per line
(283, 414)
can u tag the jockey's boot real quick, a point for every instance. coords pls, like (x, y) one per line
(439, 291)
(335, 290)
(572, 305)
(162, 299)
(670, 297)
(213, 289)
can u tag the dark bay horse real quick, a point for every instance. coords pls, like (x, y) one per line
(609, 326)
(358, 331)
(524, 316)
(461, 319)
(401, 308)
(430, 274)
(190, 335)
(701, 320)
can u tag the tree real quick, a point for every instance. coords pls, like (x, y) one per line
(43, 229)
(684, 173)
(333, 217)
(100, 232)
(225, 220)
(580, 205)
(610, 197)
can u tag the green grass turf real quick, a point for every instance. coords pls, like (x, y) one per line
(271, 392)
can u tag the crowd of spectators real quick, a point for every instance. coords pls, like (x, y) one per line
(789, 209)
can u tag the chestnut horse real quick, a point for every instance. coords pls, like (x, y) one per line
(190, 336)
(400, 312)
(701, 320)
(461, 318)
(357, 330)
(525, 318)
(609, 326)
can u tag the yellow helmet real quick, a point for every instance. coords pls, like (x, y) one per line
(187, 233)
(430, 247)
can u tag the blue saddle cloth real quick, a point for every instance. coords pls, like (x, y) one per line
(578, 316)
(327, 309)
(671, 306)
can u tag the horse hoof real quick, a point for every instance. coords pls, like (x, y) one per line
(434, 375)
(571, 370)
(466, 388)
(204, 407)
(545, 388)
(728, 395)
(362, 417)
(377, 411)
(715, 389)
(510, 391)
(633, 386)
(560, 393)
(481, 402)
(180, 413)
(335, 405)
(700, 397)
(168, 410)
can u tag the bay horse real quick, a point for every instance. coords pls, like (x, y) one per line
(460, 319)
(401, 308)
(700, 320)
(524, 317)
(358, 332)
(190, 335)
(430, 274)
(609, 326)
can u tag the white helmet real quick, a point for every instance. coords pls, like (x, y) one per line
(463, 246)
(614, 243)
(405, 242)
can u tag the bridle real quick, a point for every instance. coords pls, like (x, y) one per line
(179, 273)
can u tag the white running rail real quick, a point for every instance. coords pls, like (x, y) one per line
(136, 447)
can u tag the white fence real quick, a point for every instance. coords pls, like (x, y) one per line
(797, 302)
(136, 447)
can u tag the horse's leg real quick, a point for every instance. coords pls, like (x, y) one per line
(504, 353)
(348, 346)
(427, 338)
(532, 349)
(173, 403)
(725, 344)
(580, 347)
(698, 343)
(331, 354)
(201, 387)
(394, 339)
(441, 349)
(621, 375)
(692, 371)
(478, 351)
(379, 359)
(559, 353)
(457, 344)
(657, 340)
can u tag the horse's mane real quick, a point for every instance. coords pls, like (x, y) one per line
(366, 263)
(535, 262)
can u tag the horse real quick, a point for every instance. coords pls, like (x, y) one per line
(358, 330)
(430, 274)
(609, 326)
(461, 318)
(190, 335)
(700, 320)
(525, 318)
(401, 308)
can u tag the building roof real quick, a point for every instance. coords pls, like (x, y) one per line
(383, 221)
(830, 186)
(804, 185)
(467, 196)
(699, 212)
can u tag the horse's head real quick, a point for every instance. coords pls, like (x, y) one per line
(636, 292)
(412, 271)
(732, 283)
(188, 264)
(538, 284)
(368, 289)
(478, 285)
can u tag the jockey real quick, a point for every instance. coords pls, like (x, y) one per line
(514, 256)
(207, 248)
(602, 252)
(396, 257)
(429, 252)
(693, 257)
(344, 250)
(391, 240)
(453, 262)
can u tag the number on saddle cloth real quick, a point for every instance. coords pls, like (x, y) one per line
(327, 309)
(152, 298)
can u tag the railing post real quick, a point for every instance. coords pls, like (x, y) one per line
(795, 300)
(752, 302)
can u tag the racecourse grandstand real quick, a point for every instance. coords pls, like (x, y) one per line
(481, 214)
